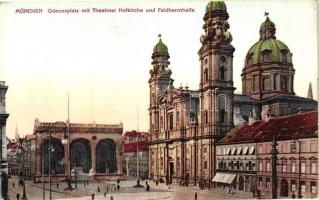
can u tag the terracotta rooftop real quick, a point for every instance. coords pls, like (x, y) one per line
(302, 125)
(134, 134)
(132, 147)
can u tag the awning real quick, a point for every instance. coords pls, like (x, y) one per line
(239, 150)
(251, 150)
(228, 151)
(233, 151)
(245, 150)
(224, 178)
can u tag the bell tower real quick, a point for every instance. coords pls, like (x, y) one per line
(160, 80)
(216, 72)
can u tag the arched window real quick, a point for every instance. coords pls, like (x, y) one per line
(206, 117)
(222, 73)
(222, 115)
(205, 75)
(106, 156)
(56, 156)
(80, 154)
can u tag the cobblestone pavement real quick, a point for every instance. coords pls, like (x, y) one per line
(127, 192)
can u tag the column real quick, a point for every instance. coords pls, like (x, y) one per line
(93, 156)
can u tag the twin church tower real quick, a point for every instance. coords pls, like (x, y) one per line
(185, 124)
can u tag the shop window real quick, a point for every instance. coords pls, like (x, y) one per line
(313, 186)
(267, 182)
(260, 181)
(303, 186)
(293, 185)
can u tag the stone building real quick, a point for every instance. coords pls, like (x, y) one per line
(135, 143)
(297, 159)
(26, 156)
(185, 124)
(3, 142)
(244, 155)
(236, 160)
(95, 149)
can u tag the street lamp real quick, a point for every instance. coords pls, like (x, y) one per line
(274, 153)
(293, 149)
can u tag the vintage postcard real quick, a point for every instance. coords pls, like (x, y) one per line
(176, 100)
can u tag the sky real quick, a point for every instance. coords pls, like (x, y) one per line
(102, 60)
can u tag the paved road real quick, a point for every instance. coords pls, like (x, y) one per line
(127, 192)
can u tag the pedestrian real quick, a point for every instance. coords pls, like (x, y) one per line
(13, 184)
(147, 187)
(93, 195)
(57, 185)
(118, 187)
(98, 189)
(18, 196)
(293, 196)
(111, 197)
(107, 189)
(195, 195)
(87, 182)
(84, 183)
(104, 194)
(76, 187)
(156, 182)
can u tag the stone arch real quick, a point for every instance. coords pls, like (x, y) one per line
(80, 154)
(106, 156)
(57, 156)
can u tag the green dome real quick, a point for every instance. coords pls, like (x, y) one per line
(216, 5)
(267, 23)
(160, 47)
(273, 45)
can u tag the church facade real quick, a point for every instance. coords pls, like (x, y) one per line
(185, 124)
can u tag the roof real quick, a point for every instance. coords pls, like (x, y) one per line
(267, 23)
(160, 47)
(302, 125)
(273, 45)
(132, 147)
(239, 98)
(134, 134)
(216, 5)
(289, 97)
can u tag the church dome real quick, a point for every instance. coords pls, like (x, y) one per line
(160, 47)
(216, 5)
(275, 47)
(268, 48)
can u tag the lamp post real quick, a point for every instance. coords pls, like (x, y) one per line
(299, 165)
(274, 153)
